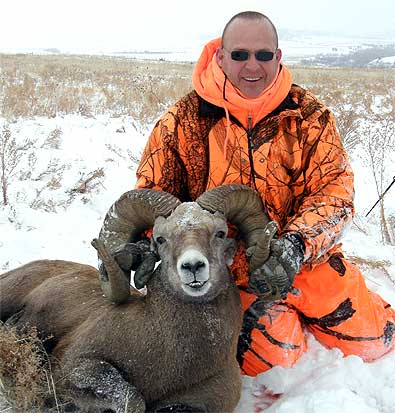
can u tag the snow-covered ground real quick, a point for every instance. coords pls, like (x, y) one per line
(296, 46)
(51, 214)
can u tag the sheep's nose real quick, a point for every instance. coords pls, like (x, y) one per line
(193, 267)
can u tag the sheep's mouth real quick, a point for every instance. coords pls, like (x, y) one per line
(195, 289)
(196, 284)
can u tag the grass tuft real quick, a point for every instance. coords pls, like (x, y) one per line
(26, 380)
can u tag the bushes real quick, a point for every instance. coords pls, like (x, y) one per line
(25, 371)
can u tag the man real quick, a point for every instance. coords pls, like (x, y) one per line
(246, 123)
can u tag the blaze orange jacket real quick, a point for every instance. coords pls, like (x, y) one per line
(284, 144)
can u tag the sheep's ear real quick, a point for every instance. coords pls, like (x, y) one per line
(230, 250)
(145, 270)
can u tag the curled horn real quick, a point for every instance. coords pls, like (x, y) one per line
(132, 213)
(242, 206)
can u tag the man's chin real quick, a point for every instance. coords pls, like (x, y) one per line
(251, 93)
(252, 89)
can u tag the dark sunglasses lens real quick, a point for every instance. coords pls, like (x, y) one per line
(239, 55)
(264, 56)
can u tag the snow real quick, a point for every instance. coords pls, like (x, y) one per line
(295, 45)
(47, 218)
(323, 381)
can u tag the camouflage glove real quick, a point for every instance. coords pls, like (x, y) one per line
(137, 257)
(131, 255)
(273, 280)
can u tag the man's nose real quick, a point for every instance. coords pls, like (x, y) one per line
(252, 63)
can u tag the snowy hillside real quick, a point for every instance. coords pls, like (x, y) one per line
(307, 47)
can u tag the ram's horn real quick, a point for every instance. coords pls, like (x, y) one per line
(131, 214)
(243, 207)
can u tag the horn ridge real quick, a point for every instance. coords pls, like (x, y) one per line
(132, 213)
(241, 205)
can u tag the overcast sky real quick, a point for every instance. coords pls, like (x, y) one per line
(134, 25)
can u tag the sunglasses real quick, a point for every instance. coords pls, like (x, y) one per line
(243, 55)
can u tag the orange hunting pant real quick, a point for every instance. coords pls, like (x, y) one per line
(333, 303)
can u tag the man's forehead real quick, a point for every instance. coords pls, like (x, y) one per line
(239, 31)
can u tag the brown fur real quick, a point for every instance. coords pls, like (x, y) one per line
(152, 351)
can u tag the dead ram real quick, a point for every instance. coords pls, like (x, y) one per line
(171, 349)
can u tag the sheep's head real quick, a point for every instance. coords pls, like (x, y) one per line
(194, 250)
(189, 238)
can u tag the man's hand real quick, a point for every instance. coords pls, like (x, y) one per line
(273, 280)
(131, 255)
(137, 257)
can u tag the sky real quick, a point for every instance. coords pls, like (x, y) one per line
(127, 25)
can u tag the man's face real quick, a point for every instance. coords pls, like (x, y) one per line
(251, 76)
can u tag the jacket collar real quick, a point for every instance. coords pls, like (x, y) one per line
(207, 109)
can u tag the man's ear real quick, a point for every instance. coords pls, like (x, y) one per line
(219, 56)
(278, 54)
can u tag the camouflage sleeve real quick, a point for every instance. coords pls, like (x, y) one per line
(161, 165)
(326, 204)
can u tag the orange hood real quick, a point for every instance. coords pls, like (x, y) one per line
(209, 79)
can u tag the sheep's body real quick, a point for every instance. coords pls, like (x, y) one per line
(172, 347)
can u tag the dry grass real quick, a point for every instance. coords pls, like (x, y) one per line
(25, 371)
(89, 85)
(32, 85)
(371, 265)
(354, 95)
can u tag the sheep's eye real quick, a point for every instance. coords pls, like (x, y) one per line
(160, 240)
(220, 234)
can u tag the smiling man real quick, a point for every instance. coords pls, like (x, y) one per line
(246, 123)
(242, 40)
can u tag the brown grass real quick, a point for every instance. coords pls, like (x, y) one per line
(89, 85)
(370, 265)
(25, 371)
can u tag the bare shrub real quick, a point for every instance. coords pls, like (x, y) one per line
(350, 93)
(134, 159)
(391, 226)
(369, 265)
(378, 143)
(47, 205)
(54, 139)
(348, 121)
(50, 179)
(359, 223)
(54, 170)
(88, 183)
(25, 370)
(28, 172)
(10, 155)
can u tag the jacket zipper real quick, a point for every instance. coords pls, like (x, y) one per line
(250, 149)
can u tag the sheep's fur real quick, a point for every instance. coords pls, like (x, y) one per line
(174, 346)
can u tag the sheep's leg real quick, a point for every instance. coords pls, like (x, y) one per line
(220, 393)
(99, 386)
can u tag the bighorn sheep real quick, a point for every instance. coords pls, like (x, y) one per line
(172, 349)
